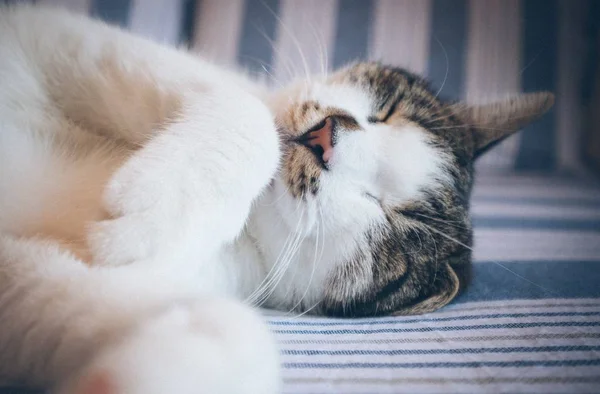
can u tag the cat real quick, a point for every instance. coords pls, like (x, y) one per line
(150, 199)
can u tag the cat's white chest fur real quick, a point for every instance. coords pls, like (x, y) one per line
(142, 163)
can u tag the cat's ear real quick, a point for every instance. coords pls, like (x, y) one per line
(445, 288)
(493, 122)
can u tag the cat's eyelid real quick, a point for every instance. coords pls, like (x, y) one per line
(374, 198)
(318, 126)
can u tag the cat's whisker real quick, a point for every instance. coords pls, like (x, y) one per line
(448, 222)
(265, 67)
(299, 240)
(312, 273)
(447, 66)
(321, 47)
(420, 243)
(548, 291)
(259, 289)
(285, 58)
(290, 288)
(532, 61)
(262, 287)
(428, 230)
(289, 32)
(287, 189)
(270, 74)
(306, 310)
(285, 262)
(316, 260)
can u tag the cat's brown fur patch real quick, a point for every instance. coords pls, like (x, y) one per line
(419, 259)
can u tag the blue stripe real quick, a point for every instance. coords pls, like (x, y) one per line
(112, 11)
(536, 223)
(353, 331)
(187, 22)
(255, 51)
(411, 352)
(352, 31)
(532, 280)
(544, 201)
(401, 320)
(18, 390)
(446, 67)
(591, 30)
(470, 364)
(537, 150)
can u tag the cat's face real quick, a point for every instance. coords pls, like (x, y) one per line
(373, 190)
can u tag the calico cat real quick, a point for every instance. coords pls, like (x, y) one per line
(144, 190)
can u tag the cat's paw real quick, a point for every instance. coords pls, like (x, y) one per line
(123, 240)
(217, 347)
(157, 208)
(144, 213)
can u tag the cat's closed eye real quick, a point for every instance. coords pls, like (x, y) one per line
(385, 188)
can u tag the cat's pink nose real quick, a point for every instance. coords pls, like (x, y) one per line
(322, 140)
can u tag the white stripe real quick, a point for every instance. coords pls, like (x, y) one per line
(516, 210)
(439, 358)
(159, 20)
(305, 36)
(518, 180)
(493, 63)
(456, 388)
(218, 29)
(504, 245)
(77, 6)
(470, 308)
(529, 331)
(542, 191)
(573, 304)
(401, 33)
(405, 325)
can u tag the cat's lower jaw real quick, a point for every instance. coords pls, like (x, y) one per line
(195, 347)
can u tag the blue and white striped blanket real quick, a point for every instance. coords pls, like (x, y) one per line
(529, 322)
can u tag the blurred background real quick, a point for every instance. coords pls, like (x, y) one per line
(475, 50)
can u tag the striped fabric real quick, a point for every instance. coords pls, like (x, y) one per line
(529, 322)
(476, 50)
(517, 346)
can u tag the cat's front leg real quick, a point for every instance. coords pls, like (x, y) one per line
(189, 189)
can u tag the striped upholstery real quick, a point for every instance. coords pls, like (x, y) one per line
(530, 321)
(476, 50)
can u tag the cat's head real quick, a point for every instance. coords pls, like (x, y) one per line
(369, 213)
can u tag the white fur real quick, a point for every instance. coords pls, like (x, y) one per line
(134, 202)
(376, 165)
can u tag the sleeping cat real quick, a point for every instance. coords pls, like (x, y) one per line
(144, 190)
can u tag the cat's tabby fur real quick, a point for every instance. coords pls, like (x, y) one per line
(140, 187)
